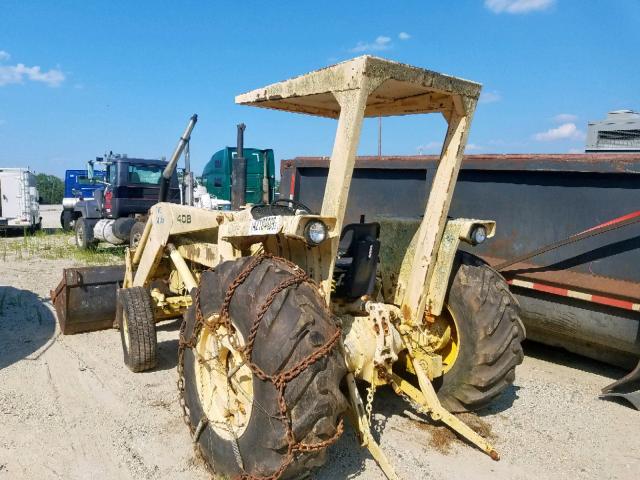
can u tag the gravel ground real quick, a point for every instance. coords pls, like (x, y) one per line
(70, 409)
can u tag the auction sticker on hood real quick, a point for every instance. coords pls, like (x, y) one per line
(265, 226)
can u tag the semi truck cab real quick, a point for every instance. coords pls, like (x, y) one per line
(260, 177)
(131, 186)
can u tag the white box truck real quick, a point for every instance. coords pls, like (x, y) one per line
(19, 199)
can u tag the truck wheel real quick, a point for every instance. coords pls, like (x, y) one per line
(84, 234)
(134, 315)
(485, 336)
(136, 234)
(66, 218)
(279, 324)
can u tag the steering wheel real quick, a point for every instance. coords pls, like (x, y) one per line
(295, 203)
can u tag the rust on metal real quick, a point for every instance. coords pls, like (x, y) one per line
(579, 162)
(400, 90)
(589, 283)
(85, 299)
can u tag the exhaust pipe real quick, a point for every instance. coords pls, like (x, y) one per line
(266, 191)
(239, 172)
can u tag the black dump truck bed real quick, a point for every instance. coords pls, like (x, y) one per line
(585, 295)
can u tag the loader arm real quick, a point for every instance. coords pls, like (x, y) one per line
(165, 221)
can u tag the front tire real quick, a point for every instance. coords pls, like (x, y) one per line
(136, 234)
(294, 326)
(84, 234)
(488, 332)
(66, 220)
(137, 326)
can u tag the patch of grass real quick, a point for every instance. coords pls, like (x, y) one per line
(55, 246)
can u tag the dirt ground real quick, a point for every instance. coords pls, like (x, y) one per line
(69, 409)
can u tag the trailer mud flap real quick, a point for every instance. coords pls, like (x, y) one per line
(85, 299)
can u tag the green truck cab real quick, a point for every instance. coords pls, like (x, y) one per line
(261, 179)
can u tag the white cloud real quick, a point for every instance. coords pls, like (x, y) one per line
(430, 147)
(380, 43)
(490, 97)
(436, 147)
(473, 147)
(404, 36)
(565, 118)
(566, 131)
(576, 150)
(4, 55)
(18, 73)
(498, 144)
(517, 6)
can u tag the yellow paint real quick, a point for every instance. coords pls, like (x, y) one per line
(427, 398)
(450, 351)
(226, 402)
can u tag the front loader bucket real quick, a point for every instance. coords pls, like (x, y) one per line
(85, 299)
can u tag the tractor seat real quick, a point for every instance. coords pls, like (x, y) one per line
(355, 268)
(352, 234)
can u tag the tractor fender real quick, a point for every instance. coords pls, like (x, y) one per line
(457, 230)
(399, 236)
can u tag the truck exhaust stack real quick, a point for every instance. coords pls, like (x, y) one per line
(239, 172)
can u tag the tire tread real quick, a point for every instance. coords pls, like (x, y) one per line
(495, 323)
(142, 354)
(314, 399)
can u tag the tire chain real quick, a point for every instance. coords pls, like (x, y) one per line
(371, 391)
(279, 380)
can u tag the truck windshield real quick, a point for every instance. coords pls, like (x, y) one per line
(147, 174)
(81, 180)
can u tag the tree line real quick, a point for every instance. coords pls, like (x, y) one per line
(50, 188)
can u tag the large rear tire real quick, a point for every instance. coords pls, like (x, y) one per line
(254, 439)
(488, 333)
(137, 326)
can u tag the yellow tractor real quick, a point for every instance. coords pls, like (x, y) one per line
(285, 309)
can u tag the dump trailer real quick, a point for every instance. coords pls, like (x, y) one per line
(283, 308)
(19, 200)
(580, 292)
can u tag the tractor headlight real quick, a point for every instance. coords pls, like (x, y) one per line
(478, 235)
(315, 232)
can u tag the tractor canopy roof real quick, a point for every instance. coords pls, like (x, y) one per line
(401, 90)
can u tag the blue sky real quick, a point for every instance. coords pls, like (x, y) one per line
(80, 78)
